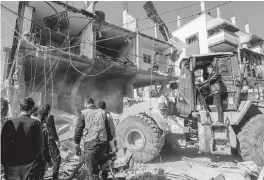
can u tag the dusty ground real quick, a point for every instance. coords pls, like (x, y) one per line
(170, 161)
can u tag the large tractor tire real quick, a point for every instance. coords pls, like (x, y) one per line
(251, 140)
(141, 135)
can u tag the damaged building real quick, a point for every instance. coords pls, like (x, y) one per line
(63, 54)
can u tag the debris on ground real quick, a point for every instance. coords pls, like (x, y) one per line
(261, 175)
(197, 168)
(143, 172)
(249, 167)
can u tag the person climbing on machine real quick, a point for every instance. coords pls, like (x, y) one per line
(214, 83)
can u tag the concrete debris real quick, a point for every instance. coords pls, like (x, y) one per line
(63, 129)
(209, 163)
(249, 167)
(261, 175)
(201, 173)
(187, 169)
(145, 173)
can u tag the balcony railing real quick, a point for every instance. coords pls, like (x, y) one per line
(223, 41)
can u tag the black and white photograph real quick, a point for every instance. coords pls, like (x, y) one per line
(132, 90)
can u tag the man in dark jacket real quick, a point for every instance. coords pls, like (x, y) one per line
(111, 121)
(214, 83)
(34, 114)
(93, 126)
(112, 124)
(54, 142)
(21, 142)
(39, 166)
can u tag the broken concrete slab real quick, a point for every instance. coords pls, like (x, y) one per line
(203, 173)
(63, 129)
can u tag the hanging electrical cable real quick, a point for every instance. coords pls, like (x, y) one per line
(11, 11)
(98, 46)
(89, 74)
(64, 78)
(51, 74)
(55, 68)
(125, 34)
(36, 64)
(30, 73)
(142, 19)
(49, 77)
(59, 18)
(133, 32)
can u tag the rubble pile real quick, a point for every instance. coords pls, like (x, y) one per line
(142, 172)
(69, 161)
(128, 102)
(187, 169)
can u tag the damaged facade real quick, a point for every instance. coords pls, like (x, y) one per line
(208, 34)
(65, 54)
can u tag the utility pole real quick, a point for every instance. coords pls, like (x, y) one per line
(137, 46)
(86, 4)
(156, 31)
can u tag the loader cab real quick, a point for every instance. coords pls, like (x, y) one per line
(194, 69)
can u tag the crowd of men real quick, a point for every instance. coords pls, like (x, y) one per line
(30, 143)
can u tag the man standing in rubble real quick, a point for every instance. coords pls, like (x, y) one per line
(112, 124)
(54, 142)
(214, 83)
(37, 171)
(93, 126)
(21, 142)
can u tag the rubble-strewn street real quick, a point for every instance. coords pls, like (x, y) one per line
(144, 90)
(181, 164)
(178, 165)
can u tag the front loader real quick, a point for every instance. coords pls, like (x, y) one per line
(188, 119)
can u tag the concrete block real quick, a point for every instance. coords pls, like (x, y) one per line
(63, 129)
